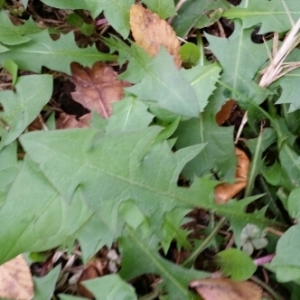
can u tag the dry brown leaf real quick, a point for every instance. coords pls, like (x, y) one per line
(65, 121)
(226, 191)
(15, 280)
(226, 289)
(97, 88)
(151, 32)
(225, 111)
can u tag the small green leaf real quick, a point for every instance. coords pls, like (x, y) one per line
(240, 59)
(164, 8)
(23, 106)
(12, 68)
(189, 53)
(110, 287)
(196, 14)
(44, 286)
(75, 20)
(235, 263)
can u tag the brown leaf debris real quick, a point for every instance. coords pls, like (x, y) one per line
(225, 111)
(65, 121)
(226, 191)
(97, 88)
(151, 32)
(226, 289)
(15, 280)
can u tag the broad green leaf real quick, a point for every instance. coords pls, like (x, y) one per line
(106, 170)
(116, 12)
(218, 153)
(257, 146)
(110, 287)
(269, 15)
(13, 35)
(35, 216)
(164, 8)
(129, 114)
(156, 79)
(240, 59)
(203, 79)
(55, 55)
(235, 263)
(44, 286)
(194, 13)
(23, 106)
(9, 168)
(287, 261)
(142, 253)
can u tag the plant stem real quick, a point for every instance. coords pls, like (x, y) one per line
(266, 288)
(150, 296)
(194, 255)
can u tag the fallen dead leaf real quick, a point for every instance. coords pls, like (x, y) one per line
(226, 289)
(97, 88)
(226, 191)
(65, 121)
(16, 280)
(151, 32)
(225, 112)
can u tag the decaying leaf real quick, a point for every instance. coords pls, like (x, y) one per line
(225, 111)
(151, 32)
(15, 280)
(226, 191)
(65, 121)
(226, 289)
(97, 88)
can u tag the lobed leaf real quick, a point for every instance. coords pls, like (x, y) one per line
(272, 15)
(116, 12)
(55, 55)
(23, 106)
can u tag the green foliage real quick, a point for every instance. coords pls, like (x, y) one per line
(21, 108)
(196, 14)
(132, 179)
(116, 12)
(164, 8)
(256, 12)
(235, 263)
(44, 286)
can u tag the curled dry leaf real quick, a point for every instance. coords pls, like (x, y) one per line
(65, 121)
(226, 191)
(225, 111)
(97, 88)
(226, 289)
(15, 280)
(151, 32)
